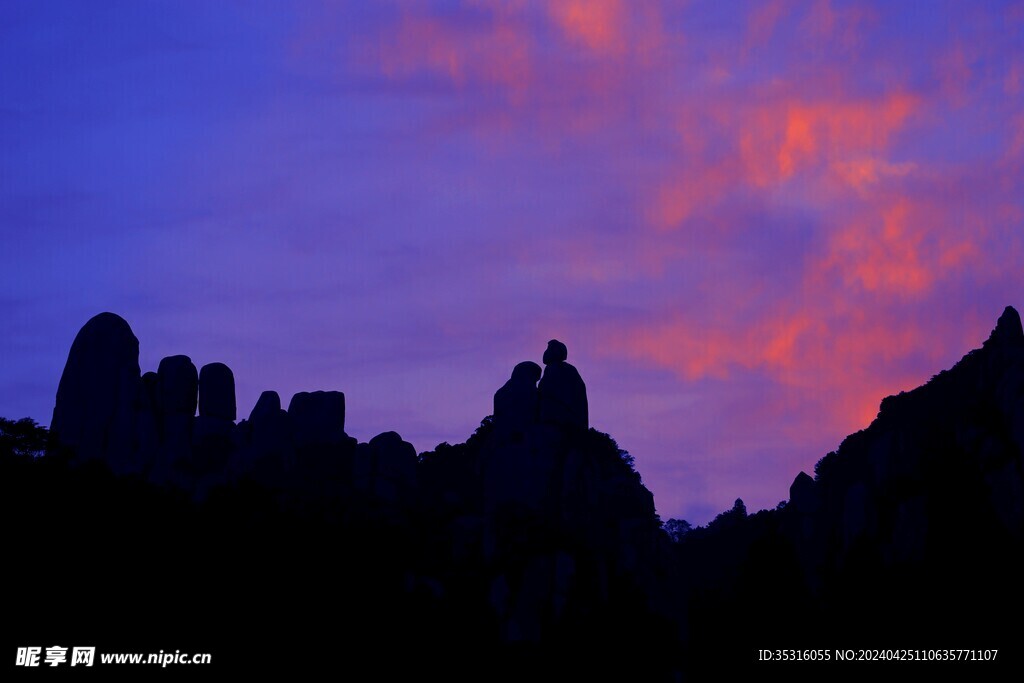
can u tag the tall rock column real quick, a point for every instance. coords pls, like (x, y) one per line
(94, 415)
(177, 392)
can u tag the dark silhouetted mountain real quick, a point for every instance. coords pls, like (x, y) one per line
(280, 541)
(910, 534)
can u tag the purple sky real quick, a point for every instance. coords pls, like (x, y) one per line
(749, 222)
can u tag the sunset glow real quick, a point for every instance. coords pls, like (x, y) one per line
(748, 221)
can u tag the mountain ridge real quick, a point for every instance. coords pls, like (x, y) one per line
(534, 540)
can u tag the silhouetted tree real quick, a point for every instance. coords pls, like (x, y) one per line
(730, 517)
(825, 465)
(22, 437)
(677, 528)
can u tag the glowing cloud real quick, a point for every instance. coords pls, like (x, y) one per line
(749, 220)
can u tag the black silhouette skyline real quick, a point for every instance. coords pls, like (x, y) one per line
(534, 541)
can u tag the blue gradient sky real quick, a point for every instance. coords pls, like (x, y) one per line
(749, 221)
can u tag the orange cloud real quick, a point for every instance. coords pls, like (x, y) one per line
(763, 19)
(901, 250)
(1012, 80)
(883, 255)
(955, 74)
(697, 351)
(496, 53)
(820, 138)
(840, 333)
(596, 24)
(678, 200)
(840, 28)
(625, 33)
(861, 174)
(835, 130)
(1016, 147)
(826, 349)
(822, 19)
(502, 48)
(775, 141)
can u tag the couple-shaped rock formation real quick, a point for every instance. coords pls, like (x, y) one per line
(534, 530)
(560, 398)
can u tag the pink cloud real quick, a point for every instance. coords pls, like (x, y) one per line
(763, 19)
(792, 201)
(862, 173)
(494, 53)
(775, 141)
(596, 24)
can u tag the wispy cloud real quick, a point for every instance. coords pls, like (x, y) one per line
(750, 221)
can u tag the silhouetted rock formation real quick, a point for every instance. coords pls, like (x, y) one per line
(535, 539)
(1008, 331)
(177, 397)
(386, 468)
(267, 451)
(147, 420)
(318, 418)
(958, 433)
(267, 405)
(927, 501)
(214, 428)
(516, 403)
(217, 392)
(178, 383)
(802, 494)
(563, 395)
(149, 425)
(95, 410)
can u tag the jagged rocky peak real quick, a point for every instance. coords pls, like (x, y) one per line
(96, 396)
(802, 494)
(267, 406)
(1008, 330)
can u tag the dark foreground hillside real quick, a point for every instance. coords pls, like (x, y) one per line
(279, 544)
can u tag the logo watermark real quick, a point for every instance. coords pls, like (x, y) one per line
(58, 655)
